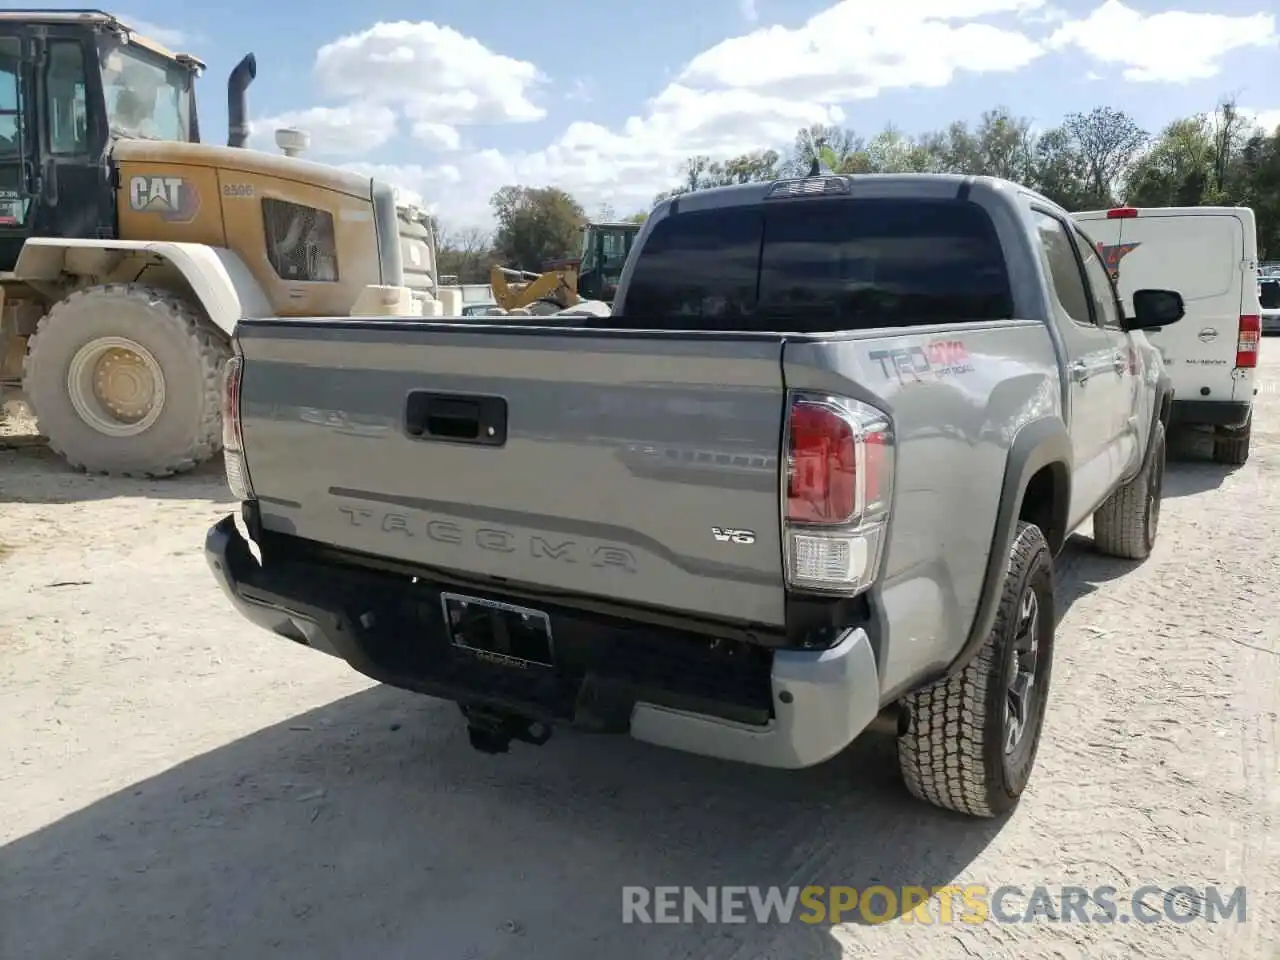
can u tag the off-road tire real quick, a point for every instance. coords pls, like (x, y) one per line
(1231, 447)
(1127, 523)
(190, 354)
(952, 754)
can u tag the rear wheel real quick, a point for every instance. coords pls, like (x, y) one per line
(1231, 444)
(1127, 522)
(124, 378)
(972, 739)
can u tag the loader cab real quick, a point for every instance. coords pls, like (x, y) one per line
(70, 82)
(605, 248)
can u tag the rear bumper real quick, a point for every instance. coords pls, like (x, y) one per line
(780, 708)
(1210, 413)
(834, 697)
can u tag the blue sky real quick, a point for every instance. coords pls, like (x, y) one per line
(451, 100)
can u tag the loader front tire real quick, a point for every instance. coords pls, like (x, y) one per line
(124, 379)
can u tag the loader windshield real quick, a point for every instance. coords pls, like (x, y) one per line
(148, 97)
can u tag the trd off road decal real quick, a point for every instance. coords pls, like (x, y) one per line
(173, 199)
(936, 359)
(1112, 254)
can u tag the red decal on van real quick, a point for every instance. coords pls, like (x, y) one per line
(1112, 254)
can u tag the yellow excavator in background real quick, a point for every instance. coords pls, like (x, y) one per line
(592, 275)
(129, 248)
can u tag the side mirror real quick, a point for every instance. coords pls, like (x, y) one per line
(1153, 309)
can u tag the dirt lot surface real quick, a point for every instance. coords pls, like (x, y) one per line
(176, 783)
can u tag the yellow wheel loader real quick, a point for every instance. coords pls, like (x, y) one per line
(592, 275)
(129, 248)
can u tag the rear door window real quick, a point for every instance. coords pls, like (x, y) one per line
(1064, 268)
(816, 267)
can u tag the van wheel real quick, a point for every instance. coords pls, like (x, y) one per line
(1126, 524)
(971, 740)
(124, 379)
(1231, 445)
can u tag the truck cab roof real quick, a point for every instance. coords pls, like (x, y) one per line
(835, 186)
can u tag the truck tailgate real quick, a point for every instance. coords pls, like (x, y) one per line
(615, 466)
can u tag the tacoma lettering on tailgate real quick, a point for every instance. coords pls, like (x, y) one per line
(496, 539)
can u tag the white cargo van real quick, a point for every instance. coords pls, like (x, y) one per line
(1210, 256)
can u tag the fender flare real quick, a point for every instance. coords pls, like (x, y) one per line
(217, 276)
(1038, 444)
(1161, 409)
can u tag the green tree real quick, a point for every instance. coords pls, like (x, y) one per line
(701, 172)
(1179, 169)
(466, 254)
(1256, 181)
(1059, 170)
(1086, 162)
(535, 224)
(838, 148)
(1107, 141)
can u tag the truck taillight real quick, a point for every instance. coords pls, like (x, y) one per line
(1250, 331)
(232, 437)
(838, 484)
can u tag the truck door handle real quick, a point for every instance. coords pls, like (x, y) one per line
(1079, 371)
(456, 418)
(1121, 363)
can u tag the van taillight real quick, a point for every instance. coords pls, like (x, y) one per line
(232, 436)
(838, 483)
(1122, 213)
(1247, 341)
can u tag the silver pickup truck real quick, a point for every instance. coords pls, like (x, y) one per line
(808, 479)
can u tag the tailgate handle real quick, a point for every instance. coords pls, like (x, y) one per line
(456, 418)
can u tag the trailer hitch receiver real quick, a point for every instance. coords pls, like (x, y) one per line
(491, 731)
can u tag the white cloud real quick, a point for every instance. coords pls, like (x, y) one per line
(854, 50)
(414, 184)
(165, 36)
(624, 167)
(581, 90)
(434, 76)
(1045, 13)
(748, 91)
(435, 73)
(335, 131)
(437, 136)
(1171, 47)
(1268, 120)
(745, 92)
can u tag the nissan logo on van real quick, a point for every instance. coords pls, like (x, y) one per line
(1207, 335)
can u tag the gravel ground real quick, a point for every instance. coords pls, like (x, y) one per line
(175, 783)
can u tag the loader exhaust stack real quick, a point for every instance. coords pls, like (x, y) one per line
(237, 103)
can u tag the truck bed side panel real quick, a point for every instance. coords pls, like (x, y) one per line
(957, 396)
(621, 455)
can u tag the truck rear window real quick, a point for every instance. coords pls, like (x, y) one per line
(817, 266)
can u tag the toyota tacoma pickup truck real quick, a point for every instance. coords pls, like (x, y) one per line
(805, 479)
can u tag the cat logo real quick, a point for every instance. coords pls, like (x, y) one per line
(173, 199)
